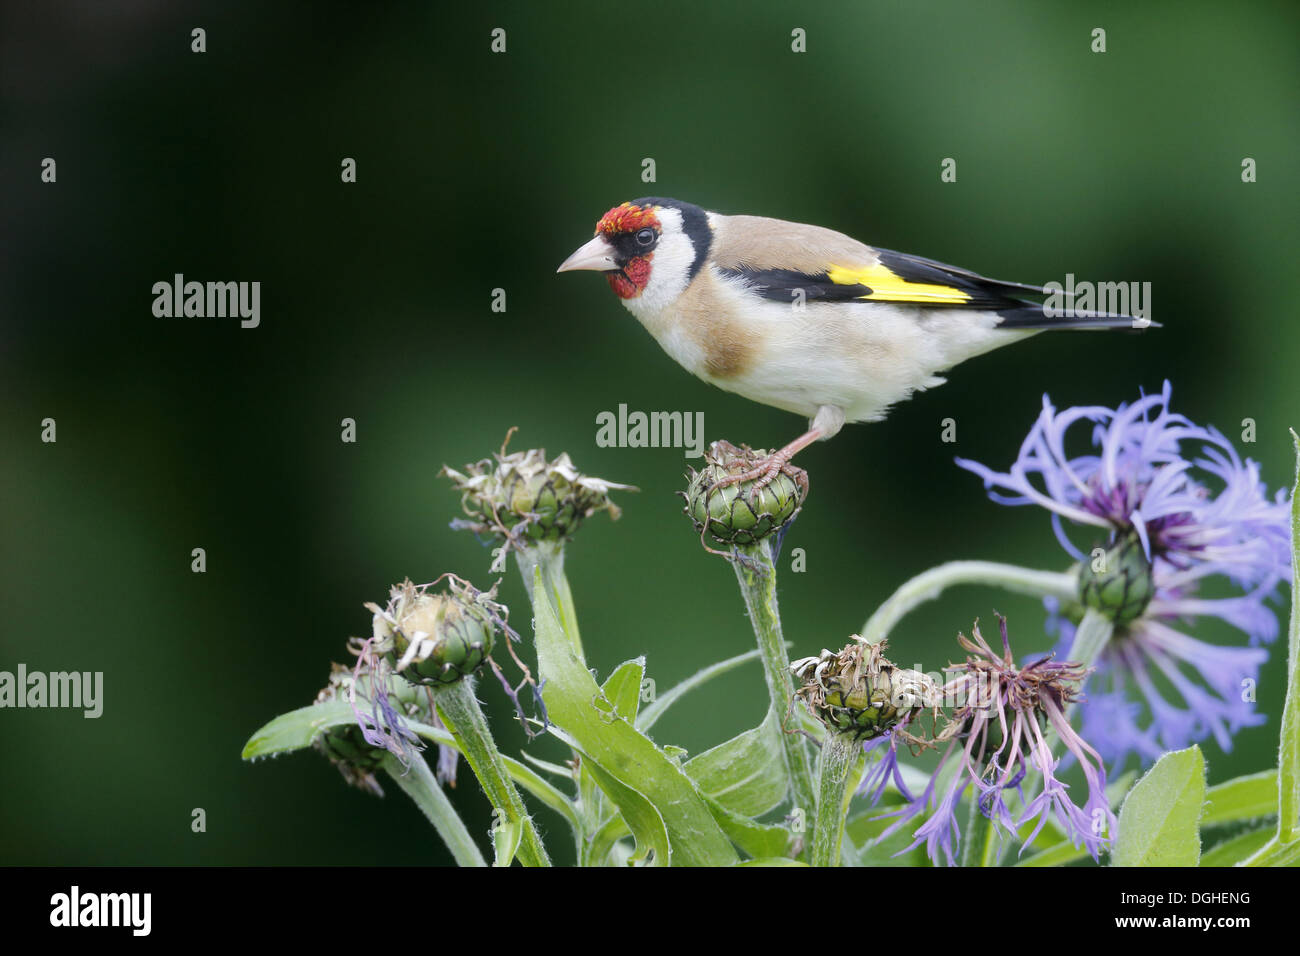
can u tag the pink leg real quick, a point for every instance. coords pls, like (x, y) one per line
(768, 468)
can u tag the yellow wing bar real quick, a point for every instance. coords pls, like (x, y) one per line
(888, 286)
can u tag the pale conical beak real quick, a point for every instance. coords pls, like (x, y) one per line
(597, 256)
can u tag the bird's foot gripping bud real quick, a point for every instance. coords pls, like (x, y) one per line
(1118, 581)
(522, 497)
(860, 693)
(738, 501)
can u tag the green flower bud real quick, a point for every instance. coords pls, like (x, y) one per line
(739, 513)
(344, 745)
(1118, 582)
(859, 692)
(436, 638)
(522, 495)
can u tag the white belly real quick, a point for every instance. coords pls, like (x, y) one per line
(860, 357)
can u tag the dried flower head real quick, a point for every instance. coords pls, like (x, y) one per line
(859, 692)
(436, 637)
(522, 497)
(433, 639)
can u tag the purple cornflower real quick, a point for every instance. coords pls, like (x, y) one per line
(1150, 651)
(1198, 511)
(886, 770)
(1003, 728)
(383, 726)
(1142, 479)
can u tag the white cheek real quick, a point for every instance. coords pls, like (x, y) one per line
(656, 306)
(670, 266)
(668, 272)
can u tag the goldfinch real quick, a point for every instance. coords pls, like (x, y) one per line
(801, 317)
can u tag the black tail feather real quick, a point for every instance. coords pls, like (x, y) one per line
(1031, 317)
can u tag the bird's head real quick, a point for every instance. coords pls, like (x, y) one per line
(648, 248)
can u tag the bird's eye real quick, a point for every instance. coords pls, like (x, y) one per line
(646, 237)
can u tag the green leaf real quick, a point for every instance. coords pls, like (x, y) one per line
(1058, 855)
(418, 782)
(297, 729)
(638, 813)
(505, 841)
(662, 702)
(759, 840)
(623, 688)
(635, 774)
(774, 861)
(746, 774)
(1159, 824)
(555, 769)
(603, 840)
(1235, 849)
(1242, 798)
(642, 817)
(865, 829)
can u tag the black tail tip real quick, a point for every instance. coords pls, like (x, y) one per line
(1033, 317)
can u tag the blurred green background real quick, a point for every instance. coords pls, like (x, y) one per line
(478, 171)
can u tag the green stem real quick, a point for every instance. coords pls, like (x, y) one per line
(419, 784)
(1288, 757)
(549, 556)
(1090, 638)
(525, 777)
(928, 585)
(757, 577)
(838, 757)
(1275, 853)
(460, 711)
(978, 848)
(1284, 847)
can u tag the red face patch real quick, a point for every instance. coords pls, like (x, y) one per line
(627, 218)
(631, 281)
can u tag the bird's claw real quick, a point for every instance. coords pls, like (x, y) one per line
(763, 474)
